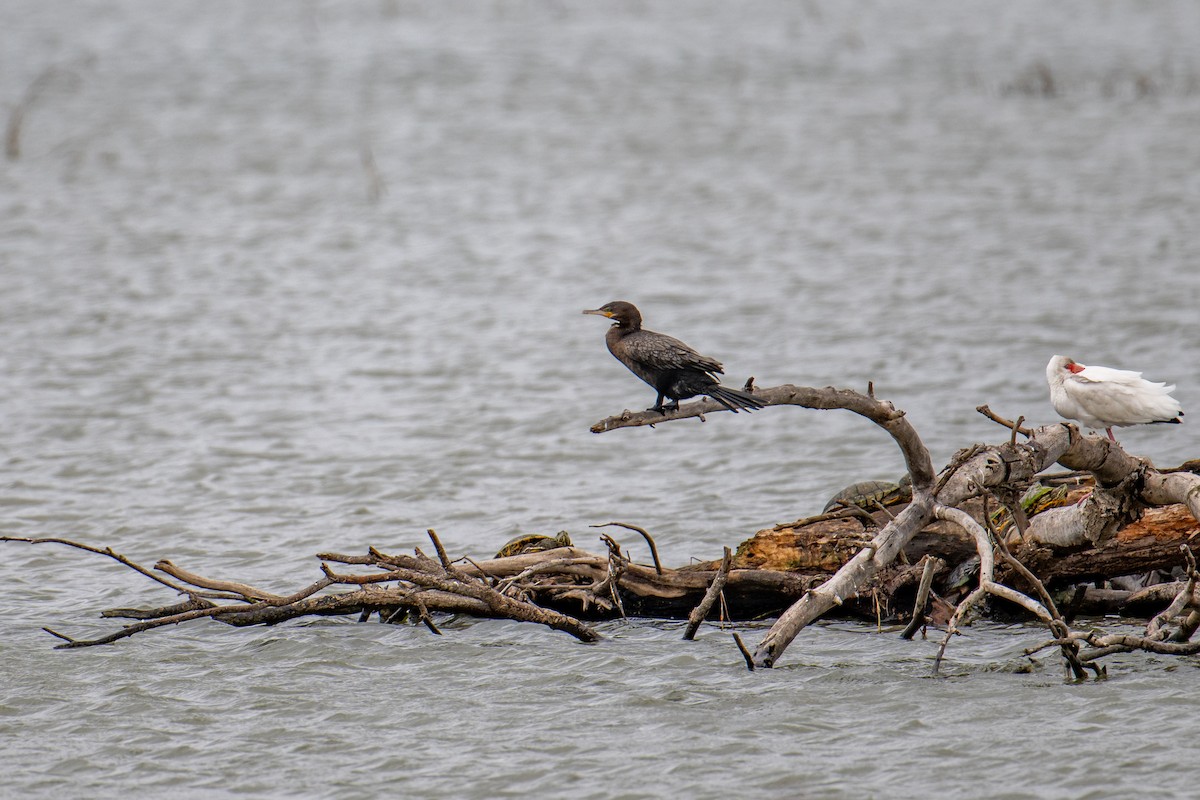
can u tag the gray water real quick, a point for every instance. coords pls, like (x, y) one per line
(279, 278)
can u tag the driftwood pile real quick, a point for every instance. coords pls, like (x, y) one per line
(1124, 487)
(1114, 541)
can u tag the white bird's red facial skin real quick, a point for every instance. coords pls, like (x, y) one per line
(1071, 366)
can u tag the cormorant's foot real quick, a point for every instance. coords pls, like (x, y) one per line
(664, 409)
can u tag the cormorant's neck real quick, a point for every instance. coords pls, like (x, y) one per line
(618, 331)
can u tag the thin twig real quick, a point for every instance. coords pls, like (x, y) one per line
(1157, 627)
(1015, 426)
(107, 551)
(12, 134)
(138, 627)
(650, 541)
(62, 636)
(745, 652)
(488, 579)
(424, 615)
(1012, 440)
(447, 564)
(616, 567)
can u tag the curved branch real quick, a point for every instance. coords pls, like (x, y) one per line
(105, 551)
(881, 412)
(987, 569)
(880, 552)
(890, 540)
(645, 535)
(981, 467)
(988, 585)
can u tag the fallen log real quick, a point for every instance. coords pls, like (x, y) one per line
(820, 545)
(1124, 487)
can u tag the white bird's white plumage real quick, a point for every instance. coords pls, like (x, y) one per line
(1102, 397)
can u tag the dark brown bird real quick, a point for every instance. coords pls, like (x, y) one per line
(670, 366)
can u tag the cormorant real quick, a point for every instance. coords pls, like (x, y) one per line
(670, 366)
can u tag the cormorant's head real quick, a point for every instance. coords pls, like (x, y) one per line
(625, 314)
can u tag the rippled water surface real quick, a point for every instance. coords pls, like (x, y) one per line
(278, 278)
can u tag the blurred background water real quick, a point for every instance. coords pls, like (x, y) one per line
(280, 277)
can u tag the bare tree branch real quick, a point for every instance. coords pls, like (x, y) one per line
(645, 535)
(880, 412)
(1008, 464)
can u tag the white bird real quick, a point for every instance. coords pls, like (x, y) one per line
(1102, 397)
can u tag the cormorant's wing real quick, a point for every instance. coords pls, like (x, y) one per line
(660, 351)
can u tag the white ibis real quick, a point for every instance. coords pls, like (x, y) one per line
(1102, 397)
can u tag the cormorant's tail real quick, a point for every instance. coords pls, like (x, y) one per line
(734, 399)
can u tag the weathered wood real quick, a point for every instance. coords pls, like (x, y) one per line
(882, 549)
(918, 616)
(700, 612)
(1133, 521)
(823, 543)
(748, 592)
(1150, 543)
(1124, 484)
(880, 412)
(232, 587)
(423, 585)
(193, 604)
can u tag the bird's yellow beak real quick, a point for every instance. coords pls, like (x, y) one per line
(600, 312)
